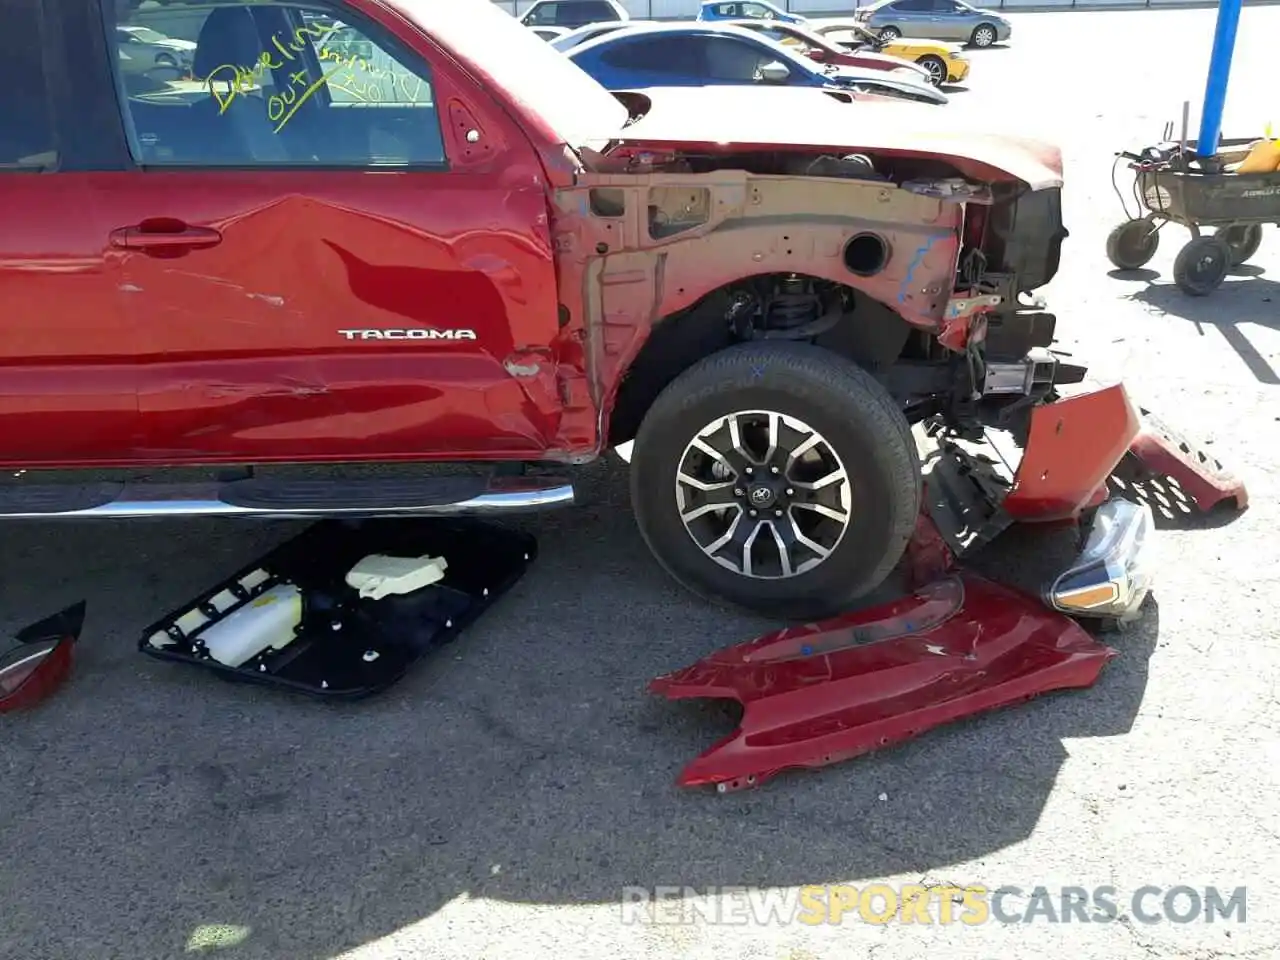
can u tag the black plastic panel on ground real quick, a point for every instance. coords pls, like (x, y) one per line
(348, 647)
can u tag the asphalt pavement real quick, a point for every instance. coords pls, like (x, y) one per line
(498, 801)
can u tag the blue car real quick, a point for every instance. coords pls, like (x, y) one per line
(700, 55)
(745, 10)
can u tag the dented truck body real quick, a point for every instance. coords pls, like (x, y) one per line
(541, 270)
(484, 310)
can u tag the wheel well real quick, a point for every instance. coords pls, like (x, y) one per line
(863, 329)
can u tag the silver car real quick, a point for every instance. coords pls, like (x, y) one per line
(935, 20)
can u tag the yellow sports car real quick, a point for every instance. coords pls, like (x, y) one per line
(934, 55)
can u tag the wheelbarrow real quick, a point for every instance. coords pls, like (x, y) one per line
(1173, 186)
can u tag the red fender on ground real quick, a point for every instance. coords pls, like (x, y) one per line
(826, 692)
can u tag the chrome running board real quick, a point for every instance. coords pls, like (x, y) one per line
(314, 499)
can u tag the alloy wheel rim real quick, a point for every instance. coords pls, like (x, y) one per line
(985, 36)
(763, 494)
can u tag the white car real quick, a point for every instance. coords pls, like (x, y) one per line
(145, 48)
(570, 14)
(571, 39)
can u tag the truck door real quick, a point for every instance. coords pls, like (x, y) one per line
(336, 249)
(67, 395)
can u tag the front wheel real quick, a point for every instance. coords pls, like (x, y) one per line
(984, 35)
(778, 478)
(937, 69)
(889, 34)
(1201, 266)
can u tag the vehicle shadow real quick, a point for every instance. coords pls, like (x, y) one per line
(526, 764)
(1252, 300)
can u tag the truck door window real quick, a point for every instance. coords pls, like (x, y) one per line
(26, 117)
(270, 84)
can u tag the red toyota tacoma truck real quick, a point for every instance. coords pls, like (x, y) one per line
(243, 238)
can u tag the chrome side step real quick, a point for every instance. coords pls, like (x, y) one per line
(314, 499)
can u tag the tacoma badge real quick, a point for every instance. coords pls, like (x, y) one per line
(411, 333)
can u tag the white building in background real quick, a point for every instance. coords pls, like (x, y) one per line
(688, 9)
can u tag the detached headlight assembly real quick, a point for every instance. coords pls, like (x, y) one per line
(1111, 575)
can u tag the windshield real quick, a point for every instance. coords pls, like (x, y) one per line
(542, 79)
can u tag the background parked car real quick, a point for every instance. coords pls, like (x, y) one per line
(699, 55)
(745, 10)
(936, 20)
(570, 14)
(854, 36)
(573, 38)
(942, 64)
(144, 48)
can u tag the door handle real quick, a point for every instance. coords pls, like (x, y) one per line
(165, 235)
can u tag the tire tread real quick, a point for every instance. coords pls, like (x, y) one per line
(808, 373)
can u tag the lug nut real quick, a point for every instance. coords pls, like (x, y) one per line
(790, 491)
(737, 491)
(773, 469)
(777, 513)
(755, 513)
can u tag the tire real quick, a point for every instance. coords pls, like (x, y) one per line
(888, 34)
(1131, 245)
(805, 391)
(937, 68)
(1201, 266)
(984, 35)
(1242, 241)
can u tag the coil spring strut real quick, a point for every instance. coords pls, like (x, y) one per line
(793, 303)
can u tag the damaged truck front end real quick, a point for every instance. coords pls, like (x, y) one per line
(920, 263)
(916, 256)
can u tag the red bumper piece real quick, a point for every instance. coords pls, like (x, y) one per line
(1161, 452)
(1073, 446)
(825, 692)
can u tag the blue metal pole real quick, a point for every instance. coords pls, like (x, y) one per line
(1215, 86)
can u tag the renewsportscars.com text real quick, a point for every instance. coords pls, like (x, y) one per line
(882, 903)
